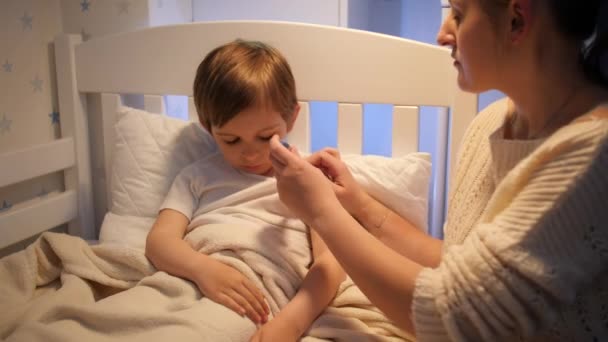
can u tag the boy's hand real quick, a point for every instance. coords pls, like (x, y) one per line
(276, 330)
(229, 287)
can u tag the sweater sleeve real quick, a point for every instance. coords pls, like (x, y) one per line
(519, 266)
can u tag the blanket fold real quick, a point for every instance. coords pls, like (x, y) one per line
(62, 289)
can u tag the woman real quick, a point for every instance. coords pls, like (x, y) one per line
(526, 238)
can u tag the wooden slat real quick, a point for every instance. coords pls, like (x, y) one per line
(438, 192)
(300, 134)
(350, 128)
(405, 130)
(109, 108)
(29, 218)
(75, 123)
(36, 161)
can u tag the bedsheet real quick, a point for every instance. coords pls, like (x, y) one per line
(62, 289)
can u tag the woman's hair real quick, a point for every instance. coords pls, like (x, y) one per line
(241, 74)
(585, 21)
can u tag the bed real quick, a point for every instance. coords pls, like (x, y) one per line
(348, 66)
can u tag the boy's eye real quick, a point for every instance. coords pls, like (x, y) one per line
(456, 16)
(232, 142)
(266, 138)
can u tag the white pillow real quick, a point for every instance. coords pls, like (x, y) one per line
(151, 149)
(401, 183)
(149, 152)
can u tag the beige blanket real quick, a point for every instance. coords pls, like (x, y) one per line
(62, 289)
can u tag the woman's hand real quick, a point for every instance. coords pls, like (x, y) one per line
(229, 287)
(350, 194)
(302, 187)
(276, 330)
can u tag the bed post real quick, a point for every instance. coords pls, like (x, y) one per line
(74, 123)
(462, 112)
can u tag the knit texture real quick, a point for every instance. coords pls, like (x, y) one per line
(526, 240)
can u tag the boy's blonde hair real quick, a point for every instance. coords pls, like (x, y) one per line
(241, 74)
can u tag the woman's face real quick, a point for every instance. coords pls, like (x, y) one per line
(475, 45)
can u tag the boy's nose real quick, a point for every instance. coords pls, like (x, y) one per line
(445, 36)
(249, 154)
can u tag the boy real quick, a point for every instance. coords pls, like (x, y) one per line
(244, 94)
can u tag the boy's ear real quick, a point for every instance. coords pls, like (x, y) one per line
(293, 118)
(520, 19)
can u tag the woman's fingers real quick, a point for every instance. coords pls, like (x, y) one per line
(295, 151)
(327, 162)
(332, 151)
(277, 165)
(278, 152)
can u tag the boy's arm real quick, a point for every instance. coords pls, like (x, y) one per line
(315, 293)
(169, 252)
(166, 248)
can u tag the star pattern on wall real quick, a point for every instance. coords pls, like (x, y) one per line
(123, 7)
(7, 66)
(5, 124)
(5, 205)
(36, 84)
(84, 5)
(54, 117)
(26, 21)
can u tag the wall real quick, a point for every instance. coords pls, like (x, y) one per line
(28, 100)
(29, 114)
(325, 12)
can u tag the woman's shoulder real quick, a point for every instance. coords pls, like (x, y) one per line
(600, 112)
(582, 139)
(495, 111)
(593, 124)
(487, 121)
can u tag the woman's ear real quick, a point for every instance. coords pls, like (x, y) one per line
(521, 17)
(294, 116)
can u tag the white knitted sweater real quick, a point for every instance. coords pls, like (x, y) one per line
(526, 239)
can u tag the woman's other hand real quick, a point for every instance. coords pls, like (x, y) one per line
(302, 187)
(350, 194)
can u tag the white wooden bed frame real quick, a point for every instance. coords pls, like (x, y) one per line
(348, 66)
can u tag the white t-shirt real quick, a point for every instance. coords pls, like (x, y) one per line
(204, 182)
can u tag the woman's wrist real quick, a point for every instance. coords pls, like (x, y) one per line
(360, 206)
(372, 215)
(325, 217)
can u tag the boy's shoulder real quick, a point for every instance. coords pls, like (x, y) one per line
(212, 161)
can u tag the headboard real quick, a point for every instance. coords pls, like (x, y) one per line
(351, 67)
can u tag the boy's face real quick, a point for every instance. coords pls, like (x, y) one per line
(244, 140)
